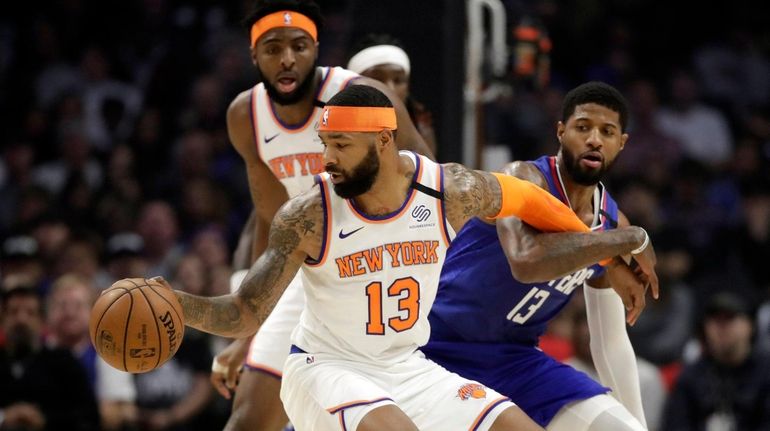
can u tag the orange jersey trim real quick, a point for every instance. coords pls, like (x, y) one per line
(335, 409)
(486, 411)
(264, 369)
(440, 206)
(328, 230)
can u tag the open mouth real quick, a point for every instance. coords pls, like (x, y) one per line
(287, 85)
(592, 160)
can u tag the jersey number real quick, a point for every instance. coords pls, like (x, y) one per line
(410, 303)
(535, 298)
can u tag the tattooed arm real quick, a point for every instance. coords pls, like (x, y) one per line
(536, 257)
(294, 234)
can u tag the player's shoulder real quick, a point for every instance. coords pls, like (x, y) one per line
(525, 170)
(303, 213)
(241, 104)
(308, 202)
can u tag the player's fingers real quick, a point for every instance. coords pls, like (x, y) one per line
(655, 286)
(159, 279)
(218, 382)
(232, 377)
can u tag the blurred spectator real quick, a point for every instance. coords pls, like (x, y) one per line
(20, 262)
(382, 57)
(650, 382)
(15, 176)
(702, 130)
(211, 246)
(650, 154)
(663, 330)
(69, 309)
(159, 229)
(42, 388)
(81, 256)
(76, 162)
(728, 388)
(109, 106)
(125, 256)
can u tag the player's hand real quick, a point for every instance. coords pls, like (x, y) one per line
(227, 366)
(646, 261)
(629, 286)
(162, 281)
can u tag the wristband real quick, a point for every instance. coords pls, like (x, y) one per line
(644, 244)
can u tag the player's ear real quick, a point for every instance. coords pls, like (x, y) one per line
(385, 137)
(623, 140)
(253, 53)
(560, 128)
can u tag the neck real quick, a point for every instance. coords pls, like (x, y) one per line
(297, 113)
(581, 197)
(390, 189)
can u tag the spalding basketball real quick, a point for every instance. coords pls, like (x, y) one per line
(136, 325)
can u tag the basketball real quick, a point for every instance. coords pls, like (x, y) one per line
(136, 325)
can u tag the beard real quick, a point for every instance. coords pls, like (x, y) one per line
(295, 96)
(579, 173)
(361, 179)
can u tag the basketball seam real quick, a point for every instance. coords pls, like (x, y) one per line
(155, 319)
(125, 331)
(181, 321)
(106, 309)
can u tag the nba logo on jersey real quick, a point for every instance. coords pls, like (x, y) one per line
(287, 18)
(325, 118)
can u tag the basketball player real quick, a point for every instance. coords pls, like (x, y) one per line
(381, 57)
(273, 127)
(370, 239)
(492, 337)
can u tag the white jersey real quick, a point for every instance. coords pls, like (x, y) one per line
(294, 153)
(370, 292)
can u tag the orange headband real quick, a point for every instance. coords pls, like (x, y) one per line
(357, 119)
(284, 18)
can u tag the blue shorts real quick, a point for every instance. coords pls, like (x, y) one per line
(537, 383)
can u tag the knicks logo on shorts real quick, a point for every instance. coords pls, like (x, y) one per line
(471, 390)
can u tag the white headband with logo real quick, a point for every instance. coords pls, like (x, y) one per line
(377, 55)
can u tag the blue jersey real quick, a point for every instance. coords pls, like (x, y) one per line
(478, 298)
(485, 324)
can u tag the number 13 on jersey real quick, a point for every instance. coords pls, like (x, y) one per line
(534, 299)
(408, 289)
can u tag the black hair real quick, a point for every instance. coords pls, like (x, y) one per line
(262, 8)
(360, 95)
(599, 93)
(21, 292)
(374, 39)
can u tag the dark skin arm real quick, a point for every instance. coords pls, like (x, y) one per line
(267, 193)
(535, 256)
(294, 234)
(476, 193)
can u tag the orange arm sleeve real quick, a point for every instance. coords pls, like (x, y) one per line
(537, 207)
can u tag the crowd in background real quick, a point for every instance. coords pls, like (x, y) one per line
(115, 163)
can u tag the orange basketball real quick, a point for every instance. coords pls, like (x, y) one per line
(136, 325)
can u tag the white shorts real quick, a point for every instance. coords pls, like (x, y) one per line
(320, 393)
(270, 346)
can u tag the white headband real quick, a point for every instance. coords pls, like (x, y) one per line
(377, 55)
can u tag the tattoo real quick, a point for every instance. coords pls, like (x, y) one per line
(296, 230)
(469, 194)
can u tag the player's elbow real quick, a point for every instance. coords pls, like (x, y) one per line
(527, 267)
